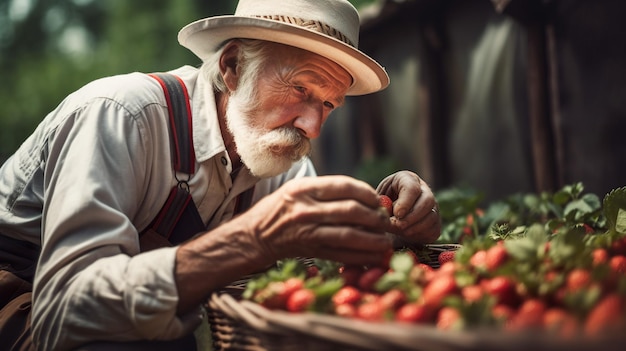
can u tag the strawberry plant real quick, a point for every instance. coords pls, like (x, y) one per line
(553, 262)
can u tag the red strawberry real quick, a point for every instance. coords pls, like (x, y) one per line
(578, 278)
(371, 311)
(606, 316)
(386, 202)
(312, 271)
(466, 234)
(421, 274)
(502, 288)
(369, 278)
(600, 256)
(438, 289)
(448, 268)
(346, 295)
(528, 316)
(479, 259)
(503, 313)
(447, 318)
(560, 322)
(276, 294)
(495, 257)
(446, 256)
(472, 293)
(345, 310)
(300, 300)
(393, 299)
(414, 313)
(618, 264)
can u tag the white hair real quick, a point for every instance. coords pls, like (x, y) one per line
(251, 58)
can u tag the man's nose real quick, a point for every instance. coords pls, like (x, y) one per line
(310, 120)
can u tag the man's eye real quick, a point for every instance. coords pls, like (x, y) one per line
(329, 105)
(299, 89)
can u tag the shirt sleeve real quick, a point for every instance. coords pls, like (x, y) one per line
(92, 283)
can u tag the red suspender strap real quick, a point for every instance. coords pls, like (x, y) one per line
(180, 121)
(183, 157)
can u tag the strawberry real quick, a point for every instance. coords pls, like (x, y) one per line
(479, 259)
(600, 256)
(421, 274)
(502, 288)
(386, 202)
(528, 316)
(466, 234)
(618, 264)
(346, 295)
(393, 299)
(577, 279)
(472, 293)
(300, 300)
(448, 268)
(560, 322)
(502, 313)
(276, 294)
(425, 267)
(371, 311)
(446, 256)
(368, 279)
(447, 318)
(438, 289)
(606, 316)
(345, 310)
(414, 313)
(495, 257)
(312, 271)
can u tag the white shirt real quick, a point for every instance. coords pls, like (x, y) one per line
(94, 173)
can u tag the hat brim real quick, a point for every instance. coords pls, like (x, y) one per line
(203, 37)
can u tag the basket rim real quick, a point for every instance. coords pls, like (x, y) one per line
(395, 335)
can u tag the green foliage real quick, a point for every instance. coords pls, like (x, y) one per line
(570, 208)
(374, 169)
(55, 47)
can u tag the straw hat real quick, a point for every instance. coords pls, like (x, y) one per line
(329, 28)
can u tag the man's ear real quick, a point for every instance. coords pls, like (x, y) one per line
(229, 65)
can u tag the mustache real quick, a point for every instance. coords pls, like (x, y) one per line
(288, 141)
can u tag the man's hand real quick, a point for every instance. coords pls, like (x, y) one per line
(415, 214)
(329, 217)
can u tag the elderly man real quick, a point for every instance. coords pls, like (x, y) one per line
(84, 199)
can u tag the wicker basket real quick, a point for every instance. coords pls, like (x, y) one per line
(244, 325)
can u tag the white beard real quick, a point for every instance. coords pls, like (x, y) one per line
(265, 153)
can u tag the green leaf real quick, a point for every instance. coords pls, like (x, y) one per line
(613, 202)
(620, 221)
(401, 262)
(391, 280)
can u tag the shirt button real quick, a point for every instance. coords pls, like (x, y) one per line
(224, 161)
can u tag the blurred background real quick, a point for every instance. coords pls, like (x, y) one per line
(502, 96)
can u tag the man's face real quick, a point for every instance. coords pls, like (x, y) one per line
(273, 117)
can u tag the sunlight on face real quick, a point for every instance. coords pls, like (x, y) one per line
(271, 127)
(265, 152)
